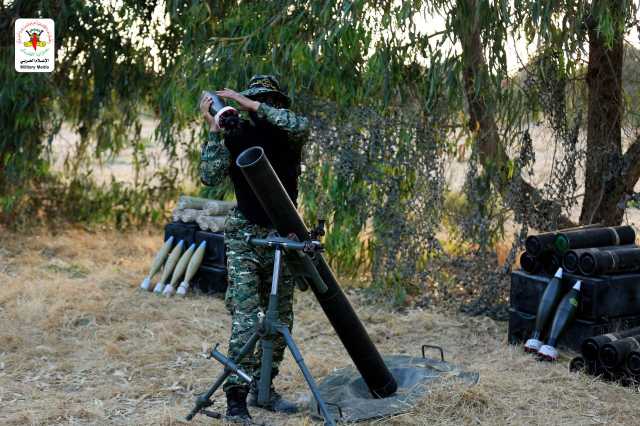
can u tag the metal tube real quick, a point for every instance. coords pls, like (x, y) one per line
(278, 205)
(611, 261)
(277, 262)
(594, 237)
(266, 367)
(231, 366)
(267, 339)
(269, 243)
(537, 244)
(297, 356)
(613, 354)
(530, 264)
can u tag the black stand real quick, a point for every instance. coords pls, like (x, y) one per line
(269, 326)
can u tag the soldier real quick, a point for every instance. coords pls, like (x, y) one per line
(282, 134)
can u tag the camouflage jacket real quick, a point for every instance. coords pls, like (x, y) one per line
(214, 160)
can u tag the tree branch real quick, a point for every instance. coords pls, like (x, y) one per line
(482, 124)
(631, 165)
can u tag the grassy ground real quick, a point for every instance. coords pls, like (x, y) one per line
(79, 344)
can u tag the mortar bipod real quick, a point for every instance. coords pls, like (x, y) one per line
(267, 328)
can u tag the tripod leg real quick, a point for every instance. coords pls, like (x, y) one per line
(297, 356)
(204, 400)
(231, 366)
(248, 347)
(266, 363)
(264, 385)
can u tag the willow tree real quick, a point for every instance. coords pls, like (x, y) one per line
(595, 30)
(387, 98)
(566, 32)
(102, 77)
(611, 175)
(373, 167)
(375, 161)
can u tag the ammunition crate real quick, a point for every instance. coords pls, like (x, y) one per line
(214, 254)
(210, 280)
(601, 298)
(211, 277)
(181, 231)
(521, 326)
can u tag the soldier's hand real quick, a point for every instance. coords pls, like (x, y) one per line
(244, 103)
(205, 103)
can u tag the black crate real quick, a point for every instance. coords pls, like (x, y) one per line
(210, 279)
(526, 291)
(603, 297)
(214, 254)
(521, 326)
(181, 231)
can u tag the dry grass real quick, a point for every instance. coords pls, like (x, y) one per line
(80, 345)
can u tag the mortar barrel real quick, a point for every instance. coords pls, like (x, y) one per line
(281, 211)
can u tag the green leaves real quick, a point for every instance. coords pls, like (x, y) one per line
(383, 86)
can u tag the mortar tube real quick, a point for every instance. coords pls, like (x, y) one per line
(282, 213)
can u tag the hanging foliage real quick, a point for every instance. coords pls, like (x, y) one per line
(388, 99)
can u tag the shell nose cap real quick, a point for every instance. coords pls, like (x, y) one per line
(532, 345)
(548, 352)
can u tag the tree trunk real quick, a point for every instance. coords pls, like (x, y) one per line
(616, 190)
(604, 163)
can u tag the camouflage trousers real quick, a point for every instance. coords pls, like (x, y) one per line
(250, 272)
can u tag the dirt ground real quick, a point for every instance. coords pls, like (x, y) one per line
(80, 344)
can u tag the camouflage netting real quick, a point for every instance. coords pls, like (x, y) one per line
(389, 185)
(547, 89)
(545, 84)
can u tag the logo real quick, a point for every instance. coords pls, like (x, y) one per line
(34, 45)
(34, 35)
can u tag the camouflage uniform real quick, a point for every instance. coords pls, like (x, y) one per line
(250, 268)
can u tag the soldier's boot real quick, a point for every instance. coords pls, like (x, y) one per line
(237, 403)
(276, 402)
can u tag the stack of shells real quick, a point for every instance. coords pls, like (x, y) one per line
(590, 251)
(177, 263)
(612, 356)
(210, 215)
